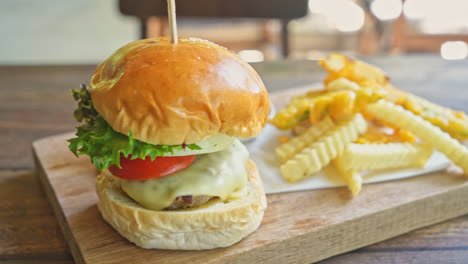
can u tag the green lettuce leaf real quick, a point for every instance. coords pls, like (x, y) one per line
(96, 138)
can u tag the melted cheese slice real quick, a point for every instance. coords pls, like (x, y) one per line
(221, 174)
(211, 144)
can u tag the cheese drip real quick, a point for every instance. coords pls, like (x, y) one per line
(219, 174)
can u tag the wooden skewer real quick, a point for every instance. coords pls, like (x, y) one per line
(171, 14)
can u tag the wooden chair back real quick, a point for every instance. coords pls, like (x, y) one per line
(285, 10)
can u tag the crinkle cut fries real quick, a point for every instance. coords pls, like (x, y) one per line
(360, 122)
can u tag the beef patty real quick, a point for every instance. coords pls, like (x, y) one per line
(189, 201)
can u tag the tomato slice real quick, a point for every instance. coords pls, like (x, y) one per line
(139, 169)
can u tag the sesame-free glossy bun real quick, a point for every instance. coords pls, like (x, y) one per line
(179, 93)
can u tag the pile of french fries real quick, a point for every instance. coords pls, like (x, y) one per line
(360, 122)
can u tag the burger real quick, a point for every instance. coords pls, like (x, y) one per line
(161, 122)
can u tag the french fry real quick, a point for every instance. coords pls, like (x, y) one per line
(300, 128)
(427, 132)
(360, 72)
(283, 139)
(453, 122)
(334, 104)
(360, 157)
(298, 109)
(364, 95)
(294, 113)
(334, 62)
(353, 178)
(327, 147)
(341, 84)
(379, 134)
(295, 145)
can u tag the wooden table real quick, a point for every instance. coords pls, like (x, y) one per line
(35, 102)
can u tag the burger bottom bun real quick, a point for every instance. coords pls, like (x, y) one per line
(214, 225)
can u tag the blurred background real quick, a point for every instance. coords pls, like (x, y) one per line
(88, 31)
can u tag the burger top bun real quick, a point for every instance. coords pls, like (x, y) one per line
(171, 94)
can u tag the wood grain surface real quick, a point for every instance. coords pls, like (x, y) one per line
(35, 102)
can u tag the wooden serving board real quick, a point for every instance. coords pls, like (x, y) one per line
(300, 227)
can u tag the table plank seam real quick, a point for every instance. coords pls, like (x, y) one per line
(36, 257)
(17, 169)
(415, 249)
